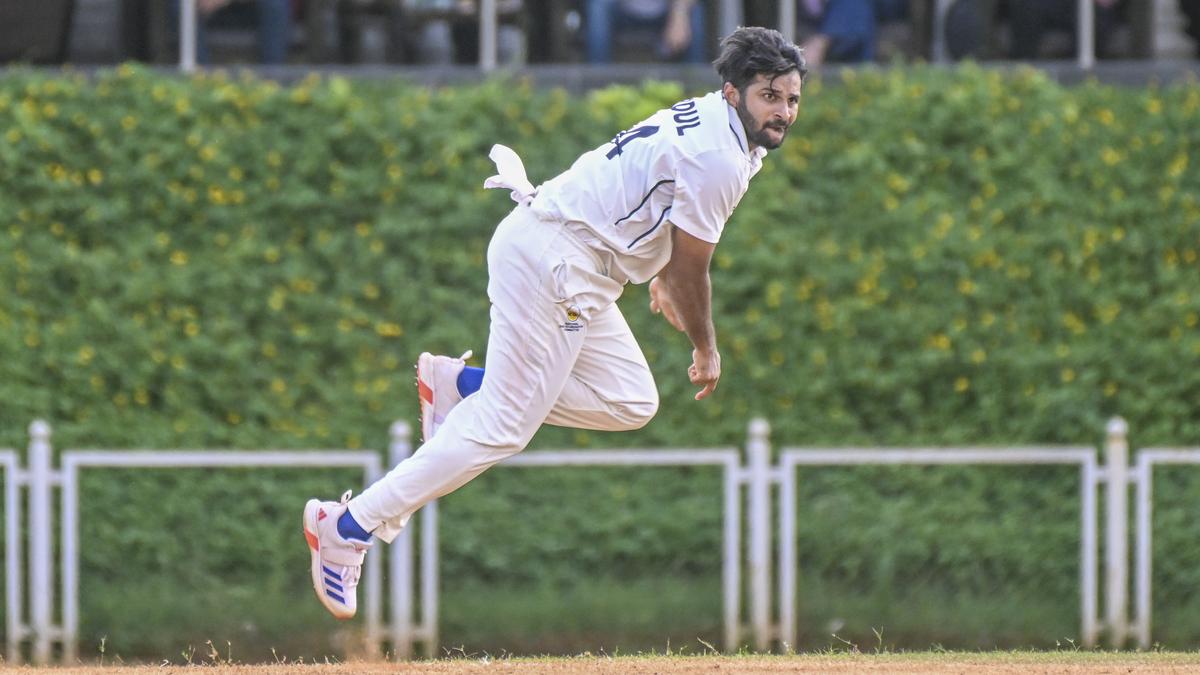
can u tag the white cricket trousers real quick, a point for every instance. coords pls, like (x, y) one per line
(559, 352)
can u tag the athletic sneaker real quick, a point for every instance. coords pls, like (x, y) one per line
(437, 386)
(336, 562)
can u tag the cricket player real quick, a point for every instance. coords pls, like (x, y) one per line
(649, 205)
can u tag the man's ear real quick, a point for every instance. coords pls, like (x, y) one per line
(731, 94)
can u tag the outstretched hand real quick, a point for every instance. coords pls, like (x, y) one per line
(660, 303)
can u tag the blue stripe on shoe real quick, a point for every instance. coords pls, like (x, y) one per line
(334, 585)
(335, 596)
(331, 573)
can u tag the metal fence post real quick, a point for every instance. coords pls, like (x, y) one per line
(41, 541)
(758, 451)
(401, 559)
(1085, 35)
(188, 25)
(13, 557)
(1116, 541)
(488, 27)
(1143, 511)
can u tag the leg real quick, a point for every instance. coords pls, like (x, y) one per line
(532, 349)
(610, 388)
(600, 17)
(274, 30)
(850, 25)
(697, 49)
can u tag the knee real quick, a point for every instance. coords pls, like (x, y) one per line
(637, 414)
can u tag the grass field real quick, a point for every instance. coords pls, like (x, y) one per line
(831, 662)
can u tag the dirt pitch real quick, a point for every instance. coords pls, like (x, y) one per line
(952, 662)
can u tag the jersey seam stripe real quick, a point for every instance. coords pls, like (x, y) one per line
(647, 232)
(643, 202)
(737, 138)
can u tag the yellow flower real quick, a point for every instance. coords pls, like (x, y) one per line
(1074, 324)
(1178, 165)
(389, 329)
(962, 384)
(1067, 375)
(179, 258)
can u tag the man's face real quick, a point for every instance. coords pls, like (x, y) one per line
(767, 107)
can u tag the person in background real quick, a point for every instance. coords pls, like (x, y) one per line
(1191, 10)
(272, 17)
(679, 23)
(846, 30)
(1030, 19)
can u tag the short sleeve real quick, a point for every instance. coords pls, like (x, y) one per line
(708, 186)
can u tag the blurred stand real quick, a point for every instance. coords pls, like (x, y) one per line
(514, 33)
(35, 32)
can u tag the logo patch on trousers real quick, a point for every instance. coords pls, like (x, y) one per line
(572, 324)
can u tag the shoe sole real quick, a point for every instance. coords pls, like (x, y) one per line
(425, 394)
(314, 550)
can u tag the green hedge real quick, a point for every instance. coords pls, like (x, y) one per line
(934, 257)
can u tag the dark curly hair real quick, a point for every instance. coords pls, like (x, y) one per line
(752, 51)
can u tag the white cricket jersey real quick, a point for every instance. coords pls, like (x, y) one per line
(687, 166)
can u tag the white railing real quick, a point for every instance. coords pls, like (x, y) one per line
(1085, 458)
(756, 473)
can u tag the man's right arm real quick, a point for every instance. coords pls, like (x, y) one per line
(685, 283)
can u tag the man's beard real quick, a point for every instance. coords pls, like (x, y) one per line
(758, 135)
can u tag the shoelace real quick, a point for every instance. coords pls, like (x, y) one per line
(466, 355)
(351, 574)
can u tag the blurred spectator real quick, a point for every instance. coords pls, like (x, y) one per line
(1191, 9)
(273, 19)
(677, 27)
(846, 30)
(1030, 20)
(449, 31)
